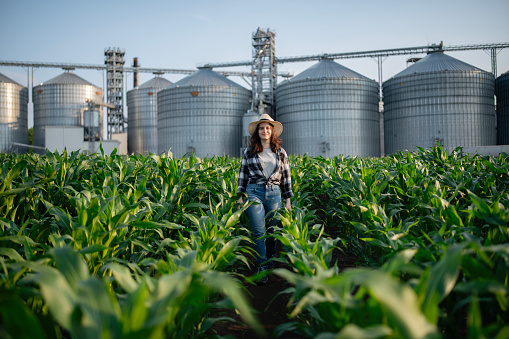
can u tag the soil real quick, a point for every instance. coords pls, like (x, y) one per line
(272, 308)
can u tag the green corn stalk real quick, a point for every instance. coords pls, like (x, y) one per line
(161, 215)
(173, 306)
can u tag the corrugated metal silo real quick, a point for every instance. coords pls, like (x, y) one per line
(142, 116)
(202, 113)
(13, 113)
(439, 99)
(61, 101)
(328, 110)
(502, 91)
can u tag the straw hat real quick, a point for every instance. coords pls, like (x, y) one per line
(278, 128)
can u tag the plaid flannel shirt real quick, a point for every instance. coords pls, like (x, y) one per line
(251, 172)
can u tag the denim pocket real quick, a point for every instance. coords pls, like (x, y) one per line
(251, 189)
(274, 191)
(254, 192)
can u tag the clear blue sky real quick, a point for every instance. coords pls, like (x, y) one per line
(183, 34)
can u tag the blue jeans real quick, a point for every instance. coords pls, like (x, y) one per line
(262, 218)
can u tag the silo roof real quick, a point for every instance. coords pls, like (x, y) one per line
(68, 78)
(6, 79)
(437, 62)
(156, 82)
(205, 77)
(327, 69)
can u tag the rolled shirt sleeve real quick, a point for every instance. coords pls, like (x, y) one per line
(243, 175)
(286, 177)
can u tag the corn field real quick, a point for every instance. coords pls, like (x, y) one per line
(111, 246)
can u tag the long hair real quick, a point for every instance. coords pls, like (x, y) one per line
(256, 147)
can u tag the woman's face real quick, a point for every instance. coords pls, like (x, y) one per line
(265, 131)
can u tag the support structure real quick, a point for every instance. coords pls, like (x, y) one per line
(380, 60)
(492, 48)
(114, 61)
(494, 62)
(264, 71)
(493, 51)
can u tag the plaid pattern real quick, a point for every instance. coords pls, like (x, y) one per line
(251, 172)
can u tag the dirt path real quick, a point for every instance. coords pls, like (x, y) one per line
(271, 308)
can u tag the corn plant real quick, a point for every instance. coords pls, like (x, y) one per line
(123, 305)
(152, 240)
(306, 247)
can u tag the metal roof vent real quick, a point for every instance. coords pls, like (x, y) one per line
(156, 82)
(67, 78)
(437, 62)
(327, 69)
(205, 76)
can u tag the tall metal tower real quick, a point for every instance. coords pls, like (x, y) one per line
(264, 71)
(114, 61)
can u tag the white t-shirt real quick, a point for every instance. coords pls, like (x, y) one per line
(268, 161)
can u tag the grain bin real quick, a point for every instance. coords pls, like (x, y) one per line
(442, 100)
(13, 113)
(142, 116)
(502, 91)
(328, 110)
(61, 101)
(202, 113)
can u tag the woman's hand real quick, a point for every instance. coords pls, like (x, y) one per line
(240, 202)
(288, 204)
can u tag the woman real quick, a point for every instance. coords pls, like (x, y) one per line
(264, 175)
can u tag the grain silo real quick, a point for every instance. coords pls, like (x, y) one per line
(442, 100)
(61, 101)
(202, 113)
(502, 91)
(328, 110)
(13, 113)
(142, 116)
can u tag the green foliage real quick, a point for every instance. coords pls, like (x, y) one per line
(432, 225)
(154, 246)
(112, 246)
